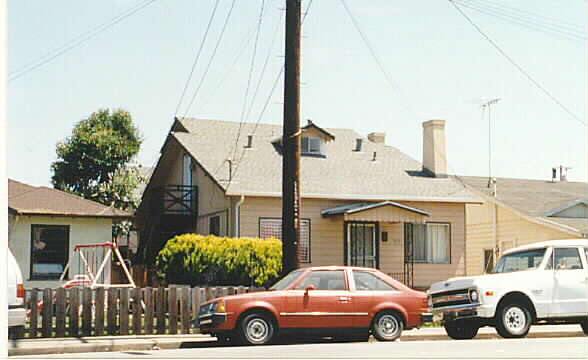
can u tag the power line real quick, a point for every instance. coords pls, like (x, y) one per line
(264, 67)
(218, 42)
(376, 58)
(197, 57)
(516, 65)
(267, 100)
(522, 21)
(251, 67)
(540, 17)
(79, 40)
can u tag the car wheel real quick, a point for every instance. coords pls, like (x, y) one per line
(513, 320)
(461, 330)
(387, 326)
(256, 329)
(584, 325)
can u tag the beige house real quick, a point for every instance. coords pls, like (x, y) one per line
(44, 226)
(363, 202)
(520, 211)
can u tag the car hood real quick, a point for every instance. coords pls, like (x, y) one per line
(480, 281)
(257, 294)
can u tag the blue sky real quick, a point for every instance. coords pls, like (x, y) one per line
(438, 64)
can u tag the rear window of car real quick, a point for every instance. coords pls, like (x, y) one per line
(367, 281)
(324, 280)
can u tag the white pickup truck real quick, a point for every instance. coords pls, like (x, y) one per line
(541, 283)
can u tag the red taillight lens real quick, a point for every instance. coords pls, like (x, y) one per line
(20, 291)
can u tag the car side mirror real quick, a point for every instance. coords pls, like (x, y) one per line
(308, 288)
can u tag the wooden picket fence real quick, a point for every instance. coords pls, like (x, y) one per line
(80, 312)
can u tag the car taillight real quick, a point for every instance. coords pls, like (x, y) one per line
(20, 291)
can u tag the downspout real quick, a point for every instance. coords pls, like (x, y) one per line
(238, 215)
(494, 220)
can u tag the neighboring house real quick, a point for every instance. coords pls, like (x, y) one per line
(44, 226)
(362, 200)
(521, 211)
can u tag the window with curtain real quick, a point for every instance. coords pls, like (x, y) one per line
(431, 243)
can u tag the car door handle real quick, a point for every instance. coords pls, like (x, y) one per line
(344, 299)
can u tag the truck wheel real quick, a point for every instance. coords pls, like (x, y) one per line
(461, 329)
(256, 329)
(387, 326)
(513, 320)
(584, 325)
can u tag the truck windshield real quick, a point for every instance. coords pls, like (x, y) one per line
(519, 261)
(286, 280)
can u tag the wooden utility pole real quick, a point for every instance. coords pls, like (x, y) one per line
(291, 140)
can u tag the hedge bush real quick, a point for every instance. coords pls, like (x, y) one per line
(201, 260)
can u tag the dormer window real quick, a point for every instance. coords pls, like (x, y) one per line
(312, 145)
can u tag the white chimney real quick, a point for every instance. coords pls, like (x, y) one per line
(434, 153)
(377, 137)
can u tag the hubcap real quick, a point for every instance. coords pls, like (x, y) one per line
(515, 320)
(388, 325)
(257, 330)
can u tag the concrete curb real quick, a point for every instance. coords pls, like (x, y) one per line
(542, 334)
(111, 344)
(171, 342)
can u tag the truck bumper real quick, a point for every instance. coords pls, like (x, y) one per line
(17, 315)
(463, 312)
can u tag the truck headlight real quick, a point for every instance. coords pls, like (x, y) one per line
(474, 296)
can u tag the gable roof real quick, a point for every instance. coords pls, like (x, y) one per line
(536, 198)
(25, 199)
(343, 174)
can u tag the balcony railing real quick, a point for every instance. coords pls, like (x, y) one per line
(175, 200)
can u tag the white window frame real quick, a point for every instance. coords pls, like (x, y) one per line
(314, 145)
(428, 256)
(304, 256)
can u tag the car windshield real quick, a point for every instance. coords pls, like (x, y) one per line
(519, 261)
(286, 280)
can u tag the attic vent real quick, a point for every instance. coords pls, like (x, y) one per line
(358, 143)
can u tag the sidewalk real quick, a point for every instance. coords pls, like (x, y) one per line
(156, 342)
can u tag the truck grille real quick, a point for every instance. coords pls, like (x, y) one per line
(450, 298)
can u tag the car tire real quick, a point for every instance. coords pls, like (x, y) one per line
(16, 332)
(461, 330)
(513, 320)
(584, 325)
(387, 326)
(256, 329)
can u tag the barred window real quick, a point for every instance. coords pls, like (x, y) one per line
(272, 228)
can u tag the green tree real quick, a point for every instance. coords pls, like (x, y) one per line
(95, 161)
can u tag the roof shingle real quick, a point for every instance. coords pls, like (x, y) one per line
(343, 174)
(31, 200)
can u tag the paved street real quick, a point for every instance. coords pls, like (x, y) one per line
(551, 348)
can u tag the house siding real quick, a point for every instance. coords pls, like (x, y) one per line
(211, 197)
(81, 231)
(327, 242)
(511, 230)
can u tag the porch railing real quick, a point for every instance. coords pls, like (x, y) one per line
(175, 200)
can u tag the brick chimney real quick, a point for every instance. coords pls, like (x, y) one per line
(434, 154)
(377, 137)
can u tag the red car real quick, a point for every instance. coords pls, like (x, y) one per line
(332, 300)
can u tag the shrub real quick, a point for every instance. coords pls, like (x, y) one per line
(198, 260)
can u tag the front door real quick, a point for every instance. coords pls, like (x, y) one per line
(569, 293)
(362, 244)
